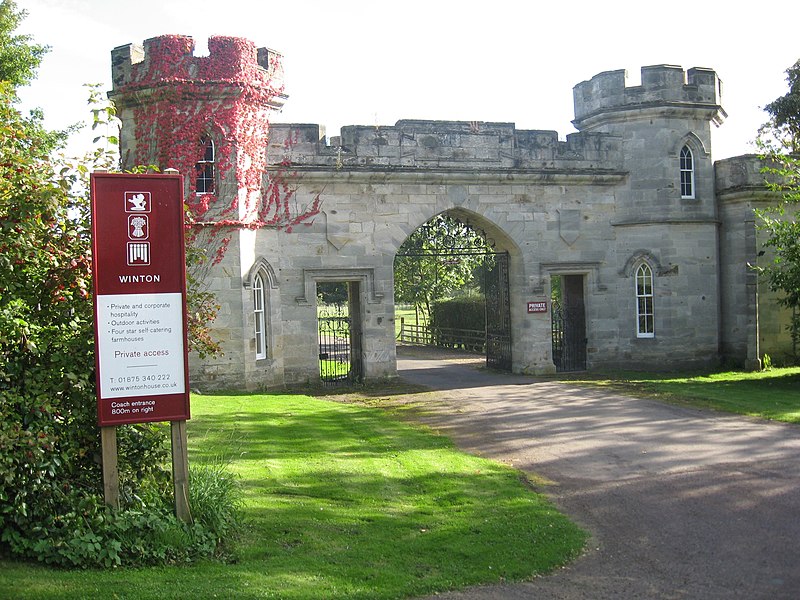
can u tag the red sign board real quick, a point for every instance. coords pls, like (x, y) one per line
(537, 307)
(139, 298)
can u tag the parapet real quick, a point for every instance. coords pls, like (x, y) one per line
(417, 144)
(744, 177)
(662, 85)
(170, 58)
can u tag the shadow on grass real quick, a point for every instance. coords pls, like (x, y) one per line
(773, 394)
(375, 508)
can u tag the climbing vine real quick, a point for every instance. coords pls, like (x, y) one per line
(178, 99)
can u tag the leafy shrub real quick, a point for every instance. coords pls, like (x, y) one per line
(51, 504)
(50, 476)
(468, 312)
(145, 532)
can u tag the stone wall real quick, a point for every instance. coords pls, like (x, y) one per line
(754, 324)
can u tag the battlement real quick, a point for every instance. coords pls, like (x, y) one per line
(744, 177)
(662, 86)
(170, 58)
(416, 144)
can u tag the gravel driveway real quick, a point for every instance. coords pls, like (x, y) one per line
(680, 503)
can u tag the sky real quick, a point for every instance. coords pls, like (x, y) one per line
(354, 62)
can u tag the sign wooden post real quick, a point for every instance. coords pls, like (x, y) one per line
(108, 441)
(140, 315)
(180, 471)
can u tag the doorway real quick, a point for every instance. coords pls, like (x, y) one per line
(339, 332)
(450, 271)
(568, 311)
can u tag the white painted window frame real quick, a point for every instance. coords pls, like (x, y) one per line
(206, 167)
(259, 316)
(687, 173)
(645, 301)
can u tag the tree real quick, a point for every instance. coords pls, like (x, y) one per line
(437, 261)
(19, 57)
(51, 504)
(779, 144)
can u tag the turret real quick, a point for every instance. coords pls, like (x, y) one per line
(207, 116)
(666, 89)
(665, 128)
(170, 59)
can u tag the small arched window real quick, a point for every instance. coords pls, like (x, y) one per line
(687, 173)
(645, 318)
(259, 316)
(205, 182)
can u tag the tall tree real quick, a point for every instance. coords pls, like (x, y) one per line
(20, 57)
(779, 144)
(49, 478)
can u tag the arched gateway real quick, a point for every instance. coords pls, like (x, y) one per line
(624, 218)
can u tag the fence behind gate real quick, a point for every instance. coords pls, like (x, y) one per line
(338, 363)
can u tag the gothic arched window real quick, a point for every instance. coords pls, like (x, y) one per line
(687, 173)
(205, 170)
(645, 319)
(259, 314)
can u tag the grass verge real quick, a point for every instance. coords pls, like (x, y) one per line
(342, 501)
(773, 394)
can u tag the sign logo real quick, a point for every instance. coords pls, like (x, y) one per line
(138, 254)
(138, 251)
(138, 227)
(137, 202)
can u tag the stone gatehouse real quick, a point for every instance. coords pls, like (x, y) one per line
(653, 240)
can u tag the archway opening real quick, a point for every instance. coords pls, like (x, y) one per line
(452, 290)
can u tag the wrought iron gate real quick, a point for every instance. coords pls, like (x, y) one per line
(339, 355)
(498, 313)
(569, 337)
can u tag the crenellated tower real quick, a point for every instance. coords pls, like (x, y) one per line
(665, 124)
(207, 116)
(662, 86)
(667, 219)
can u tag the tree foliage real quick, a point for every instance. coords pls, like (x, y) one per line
(779, 144)
(19, 56)
(784, 123)
(51, 504)
(439, 260)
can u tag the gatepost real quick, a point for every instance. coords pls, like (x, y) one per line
(140, 316)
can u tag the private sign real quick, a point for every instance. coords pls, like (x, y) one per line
(139, 298)
(537, 307)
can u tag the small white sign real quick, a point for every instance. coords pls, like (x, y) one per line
(140, 344)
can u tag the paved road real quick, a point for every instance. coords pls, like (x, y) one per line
(680, 503)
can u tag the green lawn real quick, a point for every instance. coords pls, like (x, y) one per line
(772, 394)
(343, 501)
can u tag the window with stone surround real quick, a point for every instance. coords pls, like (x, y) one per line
(259, 316)
(645, 320)
(687, 173)
(205, 169)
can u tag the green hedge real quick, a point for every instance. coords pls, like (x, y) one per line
(459, 313)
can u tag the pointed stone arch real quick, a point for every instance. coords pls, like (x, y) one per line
(261, 265)
(693, 141)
